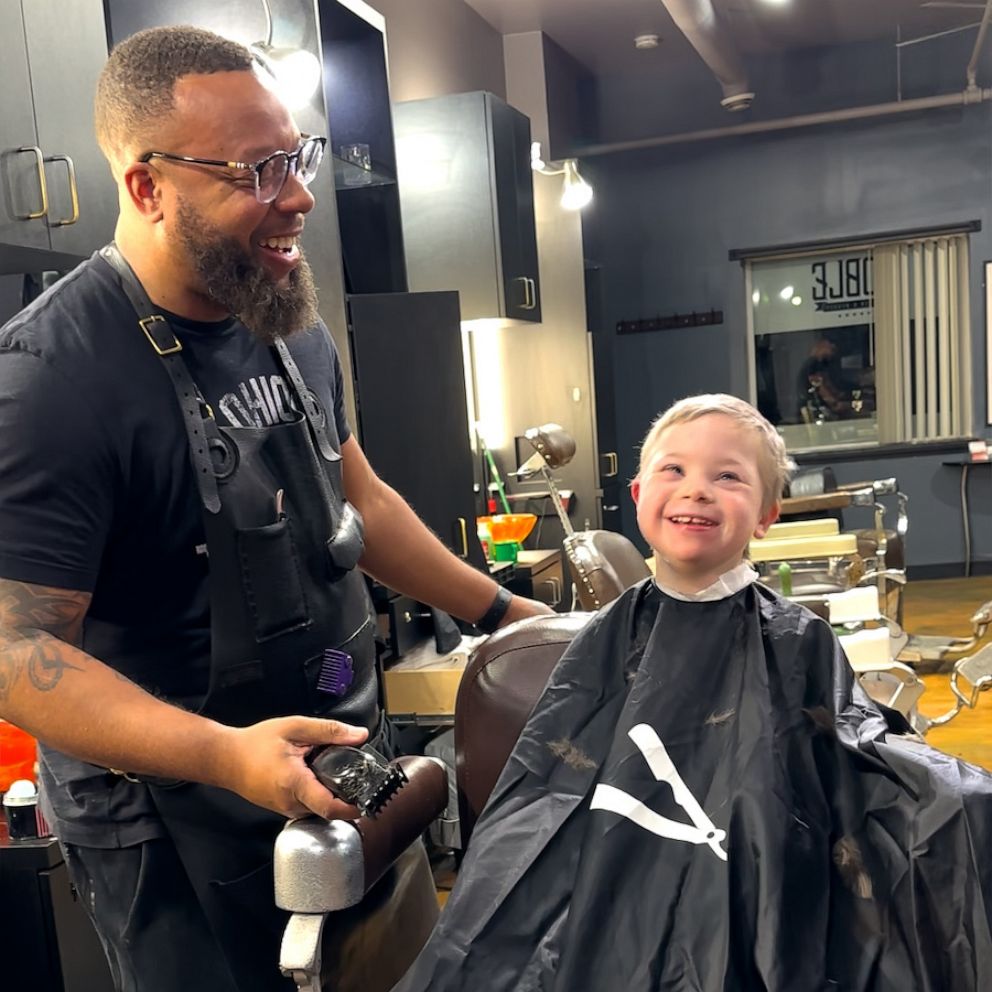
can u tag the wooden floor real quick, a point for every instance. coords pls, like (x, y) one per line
(944, 606)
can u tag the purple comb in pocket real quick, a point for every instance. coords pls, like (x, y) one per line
(337, 672)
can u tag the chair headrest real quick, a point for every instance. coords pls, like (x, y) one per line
(553, 443)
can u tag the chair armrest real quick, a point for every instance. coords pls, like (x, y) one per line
(405, 817)
(322, 866)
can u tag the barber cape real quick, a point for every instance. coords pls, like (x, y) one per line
(704, 799)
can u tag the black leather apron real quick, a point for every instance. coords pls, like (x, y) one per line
(282, 545)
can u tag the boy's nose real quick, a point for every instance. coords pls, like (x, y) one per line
(697, 489)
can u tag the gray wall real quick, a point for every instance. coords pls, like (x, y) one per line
(438, 47)
(664, 220)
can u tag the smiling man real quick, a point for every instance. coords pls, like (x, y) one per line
(184, 515)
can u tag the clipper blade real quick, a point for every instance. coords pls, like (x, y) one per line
(360, 776)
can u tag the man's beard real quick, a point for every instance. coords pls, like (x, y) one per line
(233, 280)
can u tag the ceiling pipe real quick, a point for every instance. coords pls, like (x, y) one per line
(979, 41)
(697, 20)
(964, 98)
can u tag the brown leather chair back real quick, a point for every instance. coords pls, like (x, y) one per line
(603, 564)
(503, 680)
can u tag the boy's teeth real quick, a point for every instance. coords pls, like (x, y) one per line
(691, 520)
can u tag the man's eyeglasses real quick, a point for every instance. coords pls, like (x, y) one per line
(270, 172)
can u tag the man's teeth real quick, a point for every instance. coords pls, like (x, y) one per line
(280, 244)
(692, 520)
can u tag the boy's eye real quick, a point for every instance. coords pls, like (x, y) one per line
(731, 476)
(672, 468)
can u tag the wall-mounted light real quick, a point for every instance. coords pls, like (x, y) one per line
(576, 192)
(295, 73)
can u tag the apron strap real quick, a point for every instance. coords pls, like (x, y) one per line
(161, 337)
(307, 402)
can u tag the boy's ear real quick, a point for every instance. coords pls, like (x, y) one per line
(635, 490)
(767, 519)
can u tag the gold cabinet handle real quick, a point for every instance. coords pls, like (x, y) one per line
(43, 185)
(73, 191)
(464, 534)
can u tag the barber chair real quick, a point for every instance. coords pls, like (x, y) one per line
(602, 563)
(815, 494)
(323, 866)
(882, 551)
(503, 681)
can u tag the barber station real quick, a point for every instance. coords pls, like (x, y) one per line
(495, 497)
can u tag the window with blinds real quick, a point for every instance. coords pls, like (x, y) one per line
(863, 345)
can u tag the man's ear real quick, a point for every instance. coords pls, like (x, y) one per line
(767, 519)
(635, 490)
(144, 190)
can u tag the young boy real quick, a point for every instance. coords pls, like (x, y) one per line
(703, 800)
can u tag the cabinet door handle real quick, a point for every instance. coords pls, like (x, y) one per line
(40, 162)
(555, 583)
(612, 463)
(463, 531)
(526, 303)
(531, 303)
(73, 191)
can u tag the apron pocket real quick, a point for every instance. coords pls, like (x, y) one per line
(361, 647)
(346, 546)
(270, 575)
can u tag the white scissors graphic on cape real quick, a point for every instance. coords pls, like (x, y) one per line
(613, 800)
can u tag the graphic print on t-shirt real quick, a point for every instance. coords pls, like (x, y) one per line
(262, 401)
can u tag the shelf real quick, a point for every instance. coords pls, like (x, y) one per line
(348, 176)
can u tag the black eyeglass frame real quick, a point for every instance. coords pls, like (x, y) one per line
(292, 163)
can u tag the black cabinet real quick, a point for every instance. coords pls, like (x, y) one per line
(408, 363)
(539, 575)
(52, 944)
(467, 199)
(356, 98)
(56, 191)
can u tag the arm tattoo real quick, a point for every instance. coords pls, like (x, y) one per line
(36, 623)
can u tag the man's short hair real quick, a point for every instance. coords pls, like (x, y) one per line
(135, 91)
(775, 465)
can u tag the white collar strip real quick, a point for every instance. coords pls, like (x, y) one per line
(730, 582)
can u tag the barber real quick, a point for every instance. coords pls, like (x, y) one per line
(183, 516)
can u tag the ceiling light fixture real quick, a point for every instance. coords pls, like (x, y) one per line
(295, 73)
(576, 192)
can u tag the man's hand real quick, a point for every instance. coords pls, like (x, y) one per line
(521, 607)
(267, 765)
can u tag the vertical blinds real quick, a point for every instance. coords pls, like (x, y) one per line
(922, 351)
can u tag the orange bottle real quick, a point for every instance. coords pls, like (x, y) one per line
(18, 754)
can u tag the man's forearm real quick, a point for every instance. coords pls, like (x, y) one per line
(425, 570)
(73, 702)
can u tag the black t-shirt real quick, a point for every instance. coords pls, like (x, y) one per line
(97, 491)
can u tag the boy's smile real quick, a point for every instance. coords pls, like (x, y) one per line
(699, 500)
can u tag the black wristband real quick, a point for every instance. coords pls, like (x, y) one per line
(490, 620)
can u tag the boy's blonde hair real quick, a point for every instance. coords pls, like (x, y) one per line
(774, 465)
